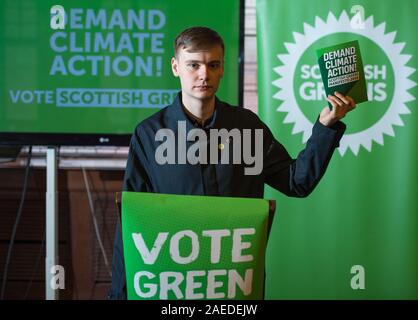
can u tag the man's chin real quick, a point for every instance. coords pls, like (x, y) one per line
(204, 95)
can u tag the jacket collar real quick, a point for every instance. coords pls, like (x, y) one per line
(176, 113)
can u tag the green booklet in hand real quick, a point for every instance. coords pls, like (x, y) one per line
(342, 70)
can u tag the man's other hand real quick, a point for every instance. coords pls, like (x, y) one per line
(341, 105)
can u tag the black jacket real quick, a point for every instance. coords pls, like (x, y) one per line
(293, 177)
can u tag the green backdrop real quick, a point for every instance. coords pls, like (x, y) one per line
(356, 236)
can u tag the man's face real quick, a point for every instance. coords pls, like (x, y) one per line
(199, 72)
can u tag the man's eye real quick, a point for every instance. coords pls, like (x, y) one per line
(193, 65)
(214, 65)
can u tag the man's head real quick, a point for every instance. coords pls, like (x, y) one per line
(197, 39)
(198, 62)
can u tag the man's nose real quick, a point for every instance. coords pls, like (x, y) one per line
(204, 72)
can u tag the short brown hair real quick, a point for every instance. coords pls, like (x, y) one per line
(198, 39)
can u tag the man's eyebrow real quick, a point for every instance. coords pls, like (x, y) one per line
(199, 61)
(193, 61)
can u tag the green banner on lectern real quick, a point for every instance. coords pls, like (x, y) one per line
(194, 247)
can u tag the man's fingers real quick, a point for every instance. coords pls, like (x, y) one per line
(350, 99)
(335, 102)
(342, 97)
(352, 102)
(341, 106)
(332, 102)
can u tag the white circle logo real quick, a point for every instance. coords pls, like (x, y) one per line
(385, 41)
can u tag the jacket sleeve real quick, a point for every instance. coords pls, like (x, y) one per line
(298, 177)
(135, 179)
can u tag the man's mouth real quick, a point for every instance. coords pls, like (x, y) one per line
(203, 88)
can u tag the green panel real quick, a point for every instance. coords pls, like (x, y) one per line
(204, 247)
(364, 211)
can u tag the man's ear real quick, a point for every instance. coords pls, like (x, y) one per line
(174, 66)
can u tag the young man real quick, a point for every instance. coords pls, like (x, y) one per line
(199, 64)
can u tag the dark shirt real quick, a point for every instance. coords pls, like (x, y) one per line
(293, 177)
